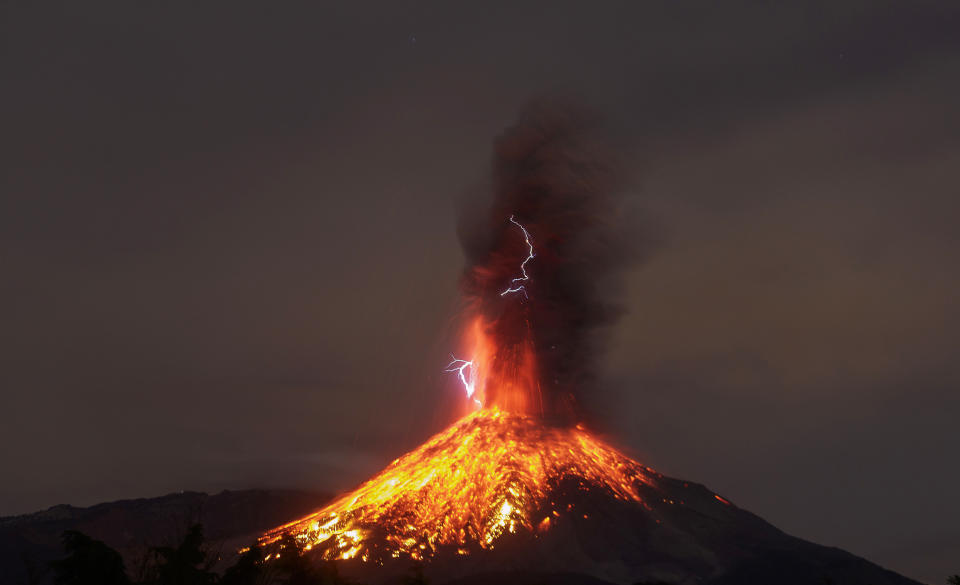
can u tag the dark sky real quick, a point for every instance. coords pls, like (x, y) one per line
(229, 256)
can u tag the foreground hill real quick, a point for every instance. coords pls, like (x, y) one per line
(231, 519)
(613, 540)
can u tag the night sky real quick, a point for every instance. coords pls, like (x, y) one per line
(229, 257)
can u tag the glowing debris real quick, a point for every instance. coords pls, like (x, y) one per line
(491, 473)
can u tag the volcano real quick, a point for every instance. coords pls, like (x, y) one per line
(548, 505)
(509, 498)
(518, 489)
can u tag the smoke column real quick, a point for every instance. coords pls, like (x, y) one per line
(559, 179)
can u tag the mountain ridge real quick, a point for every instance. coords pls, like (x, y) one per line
(578, 552)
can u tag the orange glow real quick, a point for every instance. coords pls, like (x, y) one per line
(506, 375)
(490, 473)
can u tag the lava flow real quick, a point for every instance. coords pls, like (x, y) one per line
(491, 473)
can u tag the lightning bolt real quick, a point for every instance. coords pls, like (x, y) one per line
(514, 287)
(466, 370)
(469, 380)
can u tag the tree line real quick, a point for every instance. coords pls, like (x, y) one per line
(91, 562)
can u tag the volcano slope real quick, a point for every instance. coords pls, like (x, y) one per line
(506, 498)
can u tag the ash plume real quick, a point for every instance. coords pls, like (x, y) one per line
(554, 172)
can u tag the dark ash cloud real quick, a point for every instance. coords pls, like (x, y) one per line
(555, 175)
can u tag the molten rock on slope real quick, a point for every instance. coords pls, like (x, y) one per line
(489, 474)
(508, 498)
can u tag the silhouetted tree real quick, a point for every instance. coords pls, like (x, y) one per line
(415, 576)
(953, 580)
(88, 562)
(34, 571)
(248, 570)
(297, 567)
(294, 568)
(188, 563)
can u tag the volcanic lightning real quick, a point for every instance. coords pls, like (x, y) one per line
(467, 370)
(523, 265)
(469, 381)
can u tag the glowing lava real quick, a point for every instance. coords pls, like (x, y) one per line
(498, 375)
(490, 473)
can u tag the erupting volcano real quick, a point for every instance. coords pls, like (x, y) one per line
(518, 483)
(535, 260)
